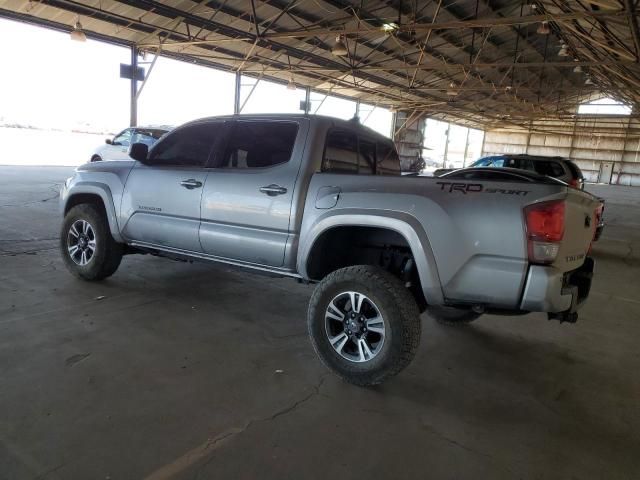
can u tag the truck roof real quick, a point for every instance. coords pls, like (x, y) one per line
(353, 124)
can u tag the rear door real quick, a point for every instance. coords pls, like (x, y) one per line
(162, 197)
(246, 203)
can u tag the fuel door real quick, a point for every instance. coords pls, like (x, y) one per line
(327, 197)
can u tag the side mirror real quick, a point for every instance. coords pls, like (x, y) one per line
(108, 141)
(139, 152)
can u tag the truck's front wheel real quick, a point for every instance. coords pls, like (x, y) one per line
(88, 249)
(364, 324)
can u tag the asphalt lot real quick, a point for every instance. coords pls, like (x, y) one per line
(177, 370)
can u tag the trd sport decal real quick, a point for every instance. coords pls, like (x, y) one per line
(477, 188)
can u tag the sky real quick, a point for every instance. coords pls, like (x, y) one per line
(52, 82)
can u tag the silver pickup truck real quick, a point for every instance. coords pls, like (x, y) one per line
(323, 200)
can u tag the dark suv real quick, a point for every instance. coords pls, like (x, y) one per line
(556, 167)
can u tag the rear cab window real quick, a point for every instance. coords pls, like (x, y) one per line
(353, 153)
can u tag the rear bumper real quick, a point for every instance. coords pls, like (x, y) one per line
(552, 291)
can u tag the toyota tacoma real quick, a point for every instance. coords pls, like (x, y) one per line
(323, 201)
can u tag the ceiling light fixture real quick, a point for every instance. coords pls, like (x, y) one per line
(339, 49)
(77, 34)
(452, 93)
(390, 28)
(291, 85)
(543, 29)
(577, 69)
(588, 81)
(564, 51)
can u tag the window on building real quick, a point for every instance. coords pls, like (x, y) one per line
(165, 100)
(450, 145)
(262, 96)
(376, 118)
(604, 106)
(331, 106)
(435, 143)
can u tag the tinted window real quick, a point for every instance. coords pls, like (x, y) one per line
(259, 144)
(527, 164)
(341, 153)
(549, 168)
(388, 161)
(512, 163)
(575, 170)
(186, 147)
(367, 157)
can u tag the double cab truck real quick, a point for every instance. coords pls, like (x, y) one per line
(324, 201)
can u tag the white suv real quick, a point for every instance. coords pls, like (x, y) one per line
(117, 148)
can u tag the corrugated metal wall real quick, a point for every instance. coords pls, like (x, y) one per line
(607, 149)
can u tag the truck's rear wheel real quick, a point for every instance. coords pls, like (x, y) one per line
(364, 324)
(88, 249)
(452, 316)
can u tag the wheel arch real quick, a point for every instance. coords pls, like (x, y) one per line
(401, 230)
(99, 195)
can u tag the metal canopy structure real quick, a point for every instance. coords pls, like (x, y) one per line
(477, 62)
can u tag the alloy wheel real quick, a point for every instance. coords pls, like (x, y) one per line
(354, 326)
(81, 242)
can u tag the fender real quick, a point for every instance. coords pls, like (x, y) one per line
(404, 224)
(94, 188)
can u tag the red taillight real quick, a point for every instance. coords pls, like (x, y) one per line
(574, 183)
(545, 221)
(545, 229)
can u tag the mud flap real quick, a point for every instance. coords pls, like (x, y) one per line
(577, 284)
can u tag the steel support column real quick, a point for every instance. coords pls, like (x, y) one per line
(236, 97)
(133, 109)
(466, 149)
(307, 100)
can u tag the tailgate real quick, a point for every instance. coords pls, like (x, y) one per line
(579, 229)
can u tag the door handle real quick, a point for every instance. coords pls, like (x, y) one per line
(191, 184)
(273, 190)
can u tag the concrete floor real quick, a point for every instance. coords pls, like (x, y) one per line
(174, 370)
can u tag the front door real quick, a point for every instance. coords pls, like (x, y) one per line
(161, 200)
(246, 203)
(606, 171)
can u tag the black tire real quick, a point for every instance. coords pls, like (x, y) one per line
(394, 303)
(452, 316)
(107, 255)
(96, 158)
